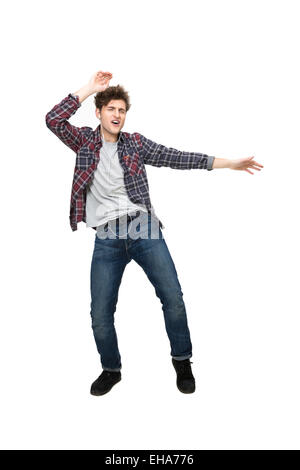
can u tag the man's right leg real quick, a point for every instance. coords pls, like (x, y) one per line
(108, 264)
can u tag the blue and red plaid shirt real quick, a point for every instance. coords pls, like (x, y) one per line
(134, 151)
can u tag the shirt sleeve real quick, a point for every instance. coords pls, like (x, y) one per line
(57, 120)
(159, 155)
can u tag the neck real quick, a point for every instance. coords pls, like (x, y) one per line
(107, 136)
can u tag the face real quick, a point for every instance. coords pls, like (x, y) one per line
(114, 110)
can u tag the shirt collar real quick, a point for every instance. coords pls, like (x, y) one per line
(98, 136)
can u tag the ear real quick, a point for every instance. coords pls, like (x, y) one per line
(97, 112)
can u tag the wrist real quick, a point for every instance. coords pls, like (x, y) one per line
(84, 92)
(229, 164)
(88, 89)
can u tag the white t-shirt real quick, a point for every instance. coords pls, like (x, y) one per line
(106, 197)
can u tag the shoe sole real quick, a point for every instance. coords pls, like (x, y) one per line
(98, 394)
(185, 391)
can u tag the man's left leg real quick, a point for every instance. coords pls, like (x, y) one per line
(154, 257)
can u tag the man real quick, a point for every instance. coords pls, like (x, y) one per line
(110, 193)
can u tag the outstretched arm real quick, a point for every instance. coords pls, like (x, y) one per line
(159, 155)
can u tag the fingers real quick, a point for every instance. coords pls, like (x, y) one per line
(256, 163)
(245, 163)
(255, 168)
(253, 164)
(104, 75)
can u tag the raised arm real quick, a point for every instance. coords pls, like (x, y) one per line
(57, 117)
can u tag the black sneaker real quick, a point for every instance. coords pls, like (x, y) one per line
(185, 379)
(105, 382)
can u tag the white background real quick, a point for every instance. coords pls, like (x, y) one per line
(216, 77)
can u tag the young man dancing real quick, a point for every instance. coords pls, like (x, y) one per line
(110, 193)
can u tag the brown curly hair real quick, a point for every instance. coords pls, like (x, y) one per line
(112, 93)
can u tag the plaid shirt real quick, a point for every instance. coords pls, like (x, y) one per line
(134, 151)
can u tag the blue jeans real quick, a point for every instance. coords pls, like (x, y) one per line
(110, 257)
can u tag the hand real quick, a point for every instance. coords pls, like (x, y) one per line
(99, 81)
(245, 163)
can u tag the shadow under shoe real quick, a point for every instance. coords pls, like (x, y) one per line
(185, 380)
(105, 382)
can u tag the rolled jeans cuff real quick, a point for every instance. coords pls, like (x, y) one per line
(181, 358)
